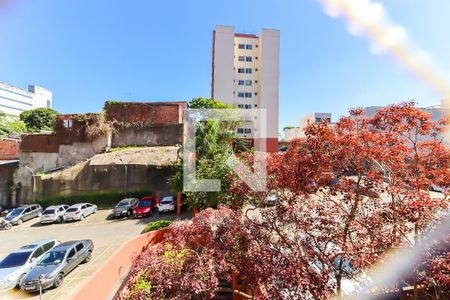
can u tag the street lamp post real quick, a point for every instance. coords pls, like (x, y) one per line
(34, 181)
(126, 175)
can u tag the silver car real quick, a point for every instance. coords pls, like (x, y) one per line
(80, 211)
(56, 264)
(54, 214)
(24, 213)
(17, 264)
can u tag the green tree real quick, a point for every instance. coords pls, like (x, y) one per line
(213, 147)
(39, 119)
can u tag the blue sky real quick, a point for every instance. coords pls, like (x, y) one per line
(88, 51)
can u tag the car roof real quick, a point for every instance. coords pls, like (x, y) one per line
(32, 246)
(79, 204)
(148, 198)
(27, 205)
(67, 245)
(55, 206)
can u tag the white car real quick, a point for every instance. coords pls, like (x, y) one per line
(168, 203)
(17, 264)
(80, 211)
(54, 213)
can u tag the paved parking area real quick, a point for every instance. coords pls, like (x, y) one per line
(106, 234)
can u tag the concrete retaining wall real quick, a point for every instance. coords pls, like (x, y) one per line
(157, 135)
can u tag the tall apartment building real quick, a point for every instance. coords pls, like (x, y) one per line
(245, 73)
(14, 100)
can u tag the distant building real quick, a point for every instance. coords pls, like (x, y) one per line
(437, 112)
(14, 100)
(245, 73)
(299, 132)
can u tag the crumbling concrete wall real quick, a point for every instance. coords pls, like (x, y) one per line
(157, 135)
(9, 148)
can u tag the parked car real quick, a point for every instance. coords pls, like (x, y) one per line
(125, 207)
(168, 203)
(17, 264)
(80, 211)
(24, 213)
(51, 269)
(54, 214)
(145, 207)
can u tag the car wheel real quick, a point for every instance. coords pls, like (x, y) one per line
(58, 280)
(88, 257)
(8, 226)
(81, 217)
(20, 221)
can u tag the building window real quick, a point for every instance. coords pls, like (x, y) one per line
(241, 94)
(241, 46)
(240, 105)
(248, 95)
(241, 70)
(67, 123)
(248, 58)
(248, 70)
(248, 106)
(247, 130)
(241, 58)
(240, 130)
(248, 82)
(249, 47)
(241, 82)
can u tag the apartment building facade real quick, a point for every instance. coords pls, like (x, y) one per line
(14, 101)
(245, 74)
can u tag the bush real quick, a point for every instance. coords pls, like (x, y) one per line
(156, 225)
(103, 200)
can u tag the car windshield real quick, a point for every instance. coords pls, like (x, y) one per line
(123, 203)
(15, 259)
(167, 200)
(48, 212)
(52, 258)
(15, 212)
(145, 203)
(72, 209)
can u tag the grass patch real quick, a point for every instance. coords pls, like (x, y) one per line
(156, 225)
(104, 200)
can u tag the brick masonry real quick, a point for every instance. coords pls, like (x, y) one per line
(9, 148)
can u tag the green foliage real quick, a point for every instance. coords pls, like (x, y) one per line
(213, 147)
(104, 200)
(288, 127)
(143, 286)
(39, 119)
(209, 103)
(11, 125)
(156, 225)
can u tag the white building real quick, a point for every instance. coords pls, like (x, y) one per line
(14, 100)
(245, 73)
(299, 132)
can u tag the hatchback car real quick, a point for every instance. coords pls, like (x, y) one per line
(17, 264)
(167, 204)
(24, 213)
(80, 211)
(125, 207)
(54, 214)
(145, 207)
(51, 269)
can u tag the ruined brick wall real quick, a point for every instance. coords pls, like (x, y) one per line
(44, 143)
(137, 113)
(9, 148)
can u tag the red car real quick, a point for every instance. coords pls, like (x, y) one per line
(145, 207)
